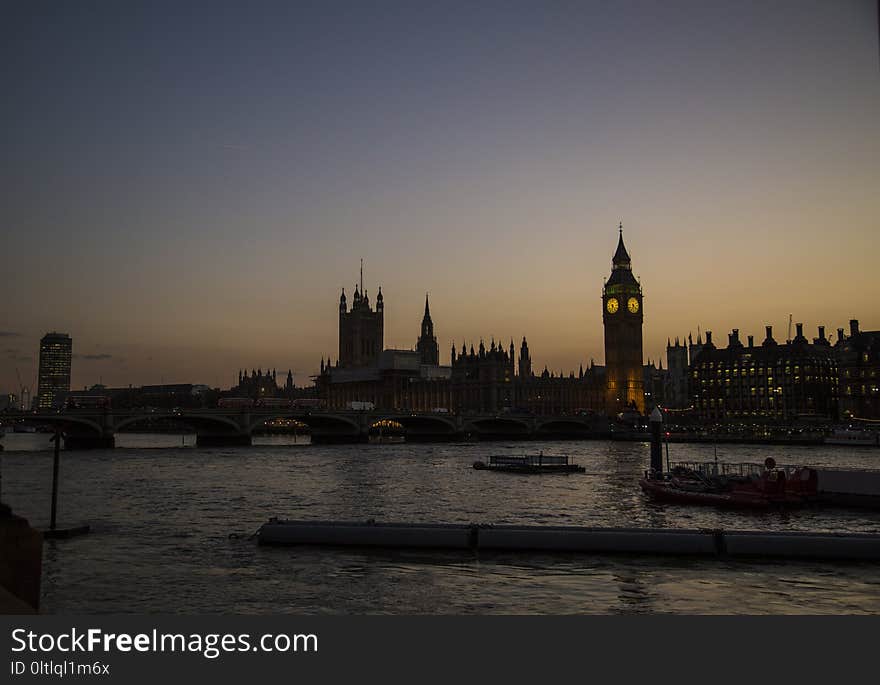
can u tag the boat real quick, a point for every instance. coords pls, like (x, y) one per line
(530, 463)
(853, 438)
(737, 485)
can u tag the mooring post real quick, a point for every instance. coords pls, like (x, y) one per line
(666, 435)
(656, 421)
(57, 441)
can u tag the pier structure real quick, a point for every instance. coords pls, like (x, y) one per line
(574, 539)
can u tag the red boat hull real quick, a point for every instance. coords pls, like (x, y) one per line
(744, 499)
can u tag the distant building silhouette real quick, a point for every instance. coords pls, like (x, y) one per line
(482, 381)
(256, 384)
(654, 378)
(676, 395)
(858, 359)
(429, 351)
(56, 352)
(361, 329)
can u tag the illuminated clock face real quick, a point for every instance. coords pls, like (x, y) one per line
(633, 305)
(611, 305)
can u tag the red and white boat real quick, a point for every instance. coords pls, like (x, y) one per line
(749, 486)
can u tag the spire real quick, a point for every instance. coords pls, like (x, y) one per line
(362, 274)
(621, 256)
(427, 309)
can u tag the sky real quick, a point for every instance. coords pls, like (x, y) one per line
(187, 187)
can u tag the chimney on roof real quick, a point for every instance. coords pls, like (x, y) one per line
(853, 327)
(751, 341)
(839, 334)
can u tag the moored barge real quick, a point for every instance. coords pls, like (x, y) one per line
(529, 463)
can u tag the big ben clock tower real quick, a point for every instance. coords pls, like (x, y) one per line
(622, 316)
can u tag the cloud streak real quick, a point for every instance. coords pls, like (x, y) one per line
(93, 357)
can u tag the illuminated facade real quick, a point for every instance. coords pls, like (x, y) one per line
(622, 316)
(56, 351)
(767, 382)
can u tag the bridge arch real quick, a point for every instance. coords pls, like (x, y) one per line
(499, 426)
(70, 423)
(418, 427)
(562, 428)
(193, 421)
(312, 420)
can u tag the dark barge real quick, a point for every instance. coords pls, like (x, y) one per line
(538, 463)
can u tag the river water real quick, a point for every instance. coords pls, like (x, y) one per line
(171, 529)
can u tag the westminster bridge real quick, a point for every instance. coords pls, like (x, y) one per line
(96, 428)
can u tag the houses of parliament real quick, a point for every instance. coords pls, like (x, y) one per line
(794, 380)
(489, 378)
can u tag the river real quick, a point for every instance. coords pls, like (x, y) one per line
(172, 525)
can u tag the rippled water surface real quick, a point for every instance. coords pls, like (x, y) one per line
(171, 526)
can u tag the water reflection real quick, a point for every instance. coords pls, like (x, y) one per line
(162, 517)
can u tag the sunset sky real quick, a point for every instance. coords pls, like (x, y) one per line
(187, 189)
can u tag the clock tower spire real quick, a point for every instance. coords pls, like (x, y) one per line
(622, 316)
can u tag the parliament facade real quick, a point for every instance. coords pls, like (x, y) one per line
(744, 382)
(491, 378)
(486, 379)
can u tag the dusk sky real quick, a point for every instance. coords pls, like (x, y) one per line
(187, 189)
